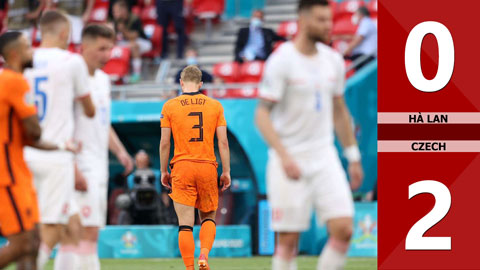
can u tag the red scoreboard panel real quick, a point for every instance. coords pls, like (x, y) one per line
(429, 134)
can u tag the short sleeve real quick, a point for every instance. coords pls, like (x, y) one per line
(221, 117)
(363, 28)
(80, 77)
(17, 99)
(165, 117)
(274, 79)
(339, 88)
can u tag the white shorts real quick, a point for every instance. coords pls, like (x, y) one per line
(144, 45)
(93, 202)
(323, 186)
(55, 188)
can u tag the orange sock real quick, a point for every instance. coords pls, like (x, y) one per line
(187, 246)
(207, 236)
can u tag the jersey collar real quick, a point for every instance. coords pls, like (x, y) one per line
(192, 93)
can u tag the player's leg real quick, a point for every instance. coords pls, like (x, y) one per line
(207, 203)
(67, 256)
(334, 253)
(50, 236)
(29, 261)
(291, 205)
(186, 243)
(184, 195)
(51, 183)
(207, 233)
(24, 244)
(286, 251)
(18, 219)
(88, 248)
(334, 203)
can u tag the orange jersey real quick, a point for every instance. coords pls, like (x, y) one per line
(193, 118)
(13, 108)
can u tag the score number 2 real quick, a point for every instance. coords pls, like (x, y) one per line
(443, 200)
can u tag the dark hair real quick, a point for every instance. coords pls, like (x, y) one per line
(51, 18)
(94, 31)
(307, 4)
(364, 11)
(6, 39)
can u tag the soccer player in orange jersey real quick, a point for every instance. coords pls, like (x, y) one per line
(194, 120)
(19, 126)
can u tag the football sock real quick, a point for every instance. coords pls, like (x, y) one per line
(87, 252)
(333, 256)
(207, 236)
(186, 244)
(66, 258)
(279, 263)
(43, 256)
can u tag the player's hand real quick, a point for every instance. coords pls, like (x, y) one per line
(166, 180)
(291, 168)
(80, 181)
(127, 162)
(356, 174)
(74, 147)
(225, 181)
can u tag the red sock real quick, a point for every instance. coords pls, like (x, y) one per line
(207, 236)
(187, 246)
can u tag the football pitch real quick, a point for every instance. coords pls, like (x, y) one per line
(254, 263)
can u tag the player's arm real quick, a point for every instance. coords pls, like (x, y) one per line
(87, 106)
(80, 79)
(117, 148)
(344, 131)
(265, 125)
(164, 150)
(224, 150)
(88, 10)
(357, 39)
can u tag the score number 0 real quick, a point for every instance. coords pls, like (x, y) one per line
(443, 200)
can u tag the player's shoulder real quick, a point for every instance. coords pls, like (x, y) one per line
(8, 75)
(100, 74)
(283, 52)
(212, 102)
(329, 52)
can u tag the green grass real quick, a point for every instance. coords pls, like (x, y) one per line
(254, 263)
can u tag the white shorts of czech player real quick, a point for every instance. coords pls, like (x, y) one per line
(93, 202)
(323, 186)
(55, 188)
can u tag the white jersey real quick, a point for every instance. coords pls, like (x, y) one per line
(93, 132)
(304, 88)
(58, 78)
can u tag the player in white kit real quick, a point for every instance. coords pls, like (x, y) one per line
(58, 78)
(301, 106)
(97, 137)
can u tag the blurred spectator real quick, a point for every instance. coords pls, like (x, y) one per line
(22, 14)
(255, 42)
(191, 59)
(131, 4)
(141, 204)
(364, 43)
(142, 163)
(130, 34)
(79, 13)
(172, 10)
